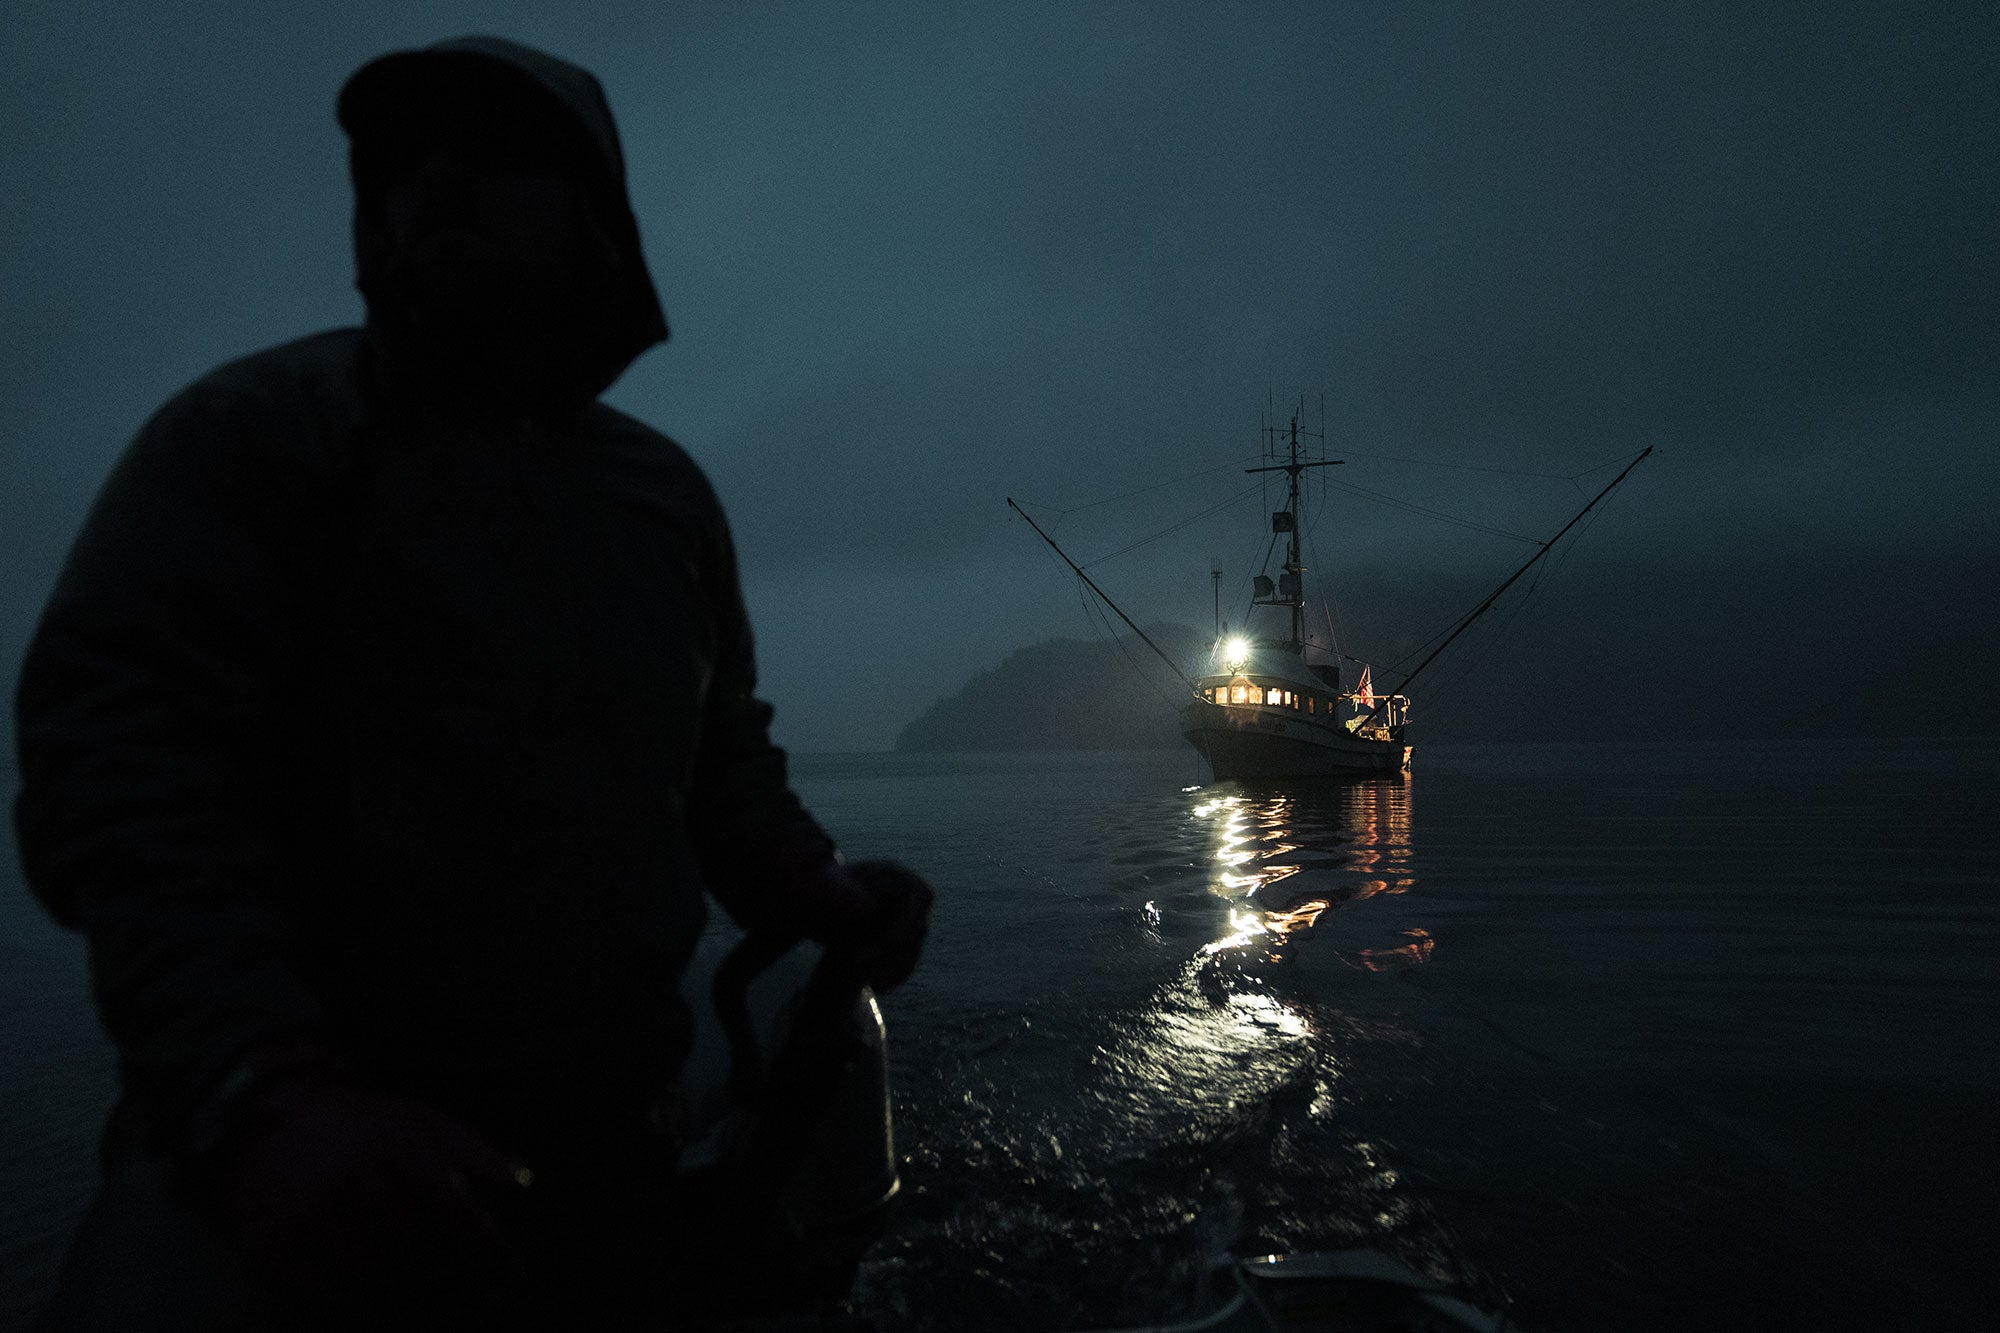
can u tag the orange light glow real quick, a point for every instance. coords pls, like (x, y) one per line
(1417, 951)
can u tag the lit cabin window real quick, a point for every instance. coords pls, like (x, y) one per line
(1239, 694)
(1273, 695)
(1312, 703)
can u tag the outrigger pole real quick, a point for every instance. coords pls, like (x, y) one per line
(1481, 609)
(1100, 592)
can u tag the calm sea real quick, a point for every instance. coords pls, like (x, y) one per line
(1676, 1037)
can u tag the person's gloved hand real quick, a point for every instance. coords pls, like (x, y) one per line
(345, 1193)
(874, 913)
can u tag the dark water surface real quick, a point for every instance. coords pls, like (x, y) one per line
(1628, 1037)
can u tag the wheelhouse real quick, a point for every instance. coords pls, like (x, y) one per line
(1353, 711)
(1242, 691)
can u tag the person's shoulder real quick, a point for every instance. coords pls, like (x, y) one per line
(624, 433)
(289, 407)
(644, 451)
(314, 376)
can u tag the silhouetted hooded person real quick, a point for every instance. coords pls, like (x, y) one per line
(578, 304)
(391, 715)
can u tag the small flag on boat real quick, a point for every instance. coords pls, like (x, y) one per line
(1364, 689)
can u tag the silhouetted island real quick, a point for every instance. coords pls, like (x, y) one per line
(1068, 694)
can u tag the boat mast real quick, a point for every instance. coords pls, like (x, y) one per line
(1290, 591)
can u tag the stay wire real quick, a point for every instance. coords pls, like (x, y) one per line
(1100, 624)
(1492, 640)
(1475, 467)
(1325, 602)
(1438, 514)
(1265, 568)
(1110, 632)
(1237, 498)
(1061, 512)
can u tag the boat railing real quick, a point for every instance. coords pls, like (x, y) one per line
(1378, 716)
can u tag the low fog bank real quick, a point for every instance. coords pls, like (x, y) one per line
(1836, 641)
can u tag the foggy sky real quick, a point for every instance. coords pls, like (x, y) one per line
(921, 257)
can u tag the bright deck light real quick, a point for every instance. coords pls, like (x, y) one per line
(1235, 651)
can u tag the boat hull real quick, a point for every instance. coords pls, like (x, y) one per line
(1253, 742)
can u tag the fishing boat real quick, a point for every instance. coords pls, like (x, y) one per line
(1261, 709)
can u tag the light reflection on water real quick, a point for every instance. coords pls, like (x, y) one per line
(1283, 856)
(1198, 1054)
(1209, 1113)
(1168, 1071)
(1222, 1034)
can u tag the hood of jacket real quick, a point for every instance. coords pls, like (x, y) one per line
(387, 95)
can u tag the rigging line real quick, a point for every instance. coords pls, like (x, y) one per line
(1100, 592)
(1056, 560)
(1569, 549)
(1562, 557)
(1163, 691)
(1083, 604)
(1431, 513)
(1101, 629)
(1268, 547)
(1265, 568)
(1521, 603)
(1534, 583)
(1212, 509)
(1465, 618)
(1325, 607)
(1554, 567)
(1126, 495)
(1093, 616)
(1491, 641)
(1496, 638)
(1312, 555)
(1318, 511)
(1608, 463)
(1417, 670)
(1439, 633)
(1151, 681)
(1576, 482)
(1107, 633)
(1447, 628)
(1474, 467)
(1514, 609)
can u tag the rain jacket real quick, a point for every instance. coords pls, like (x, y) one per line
(408, 732)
